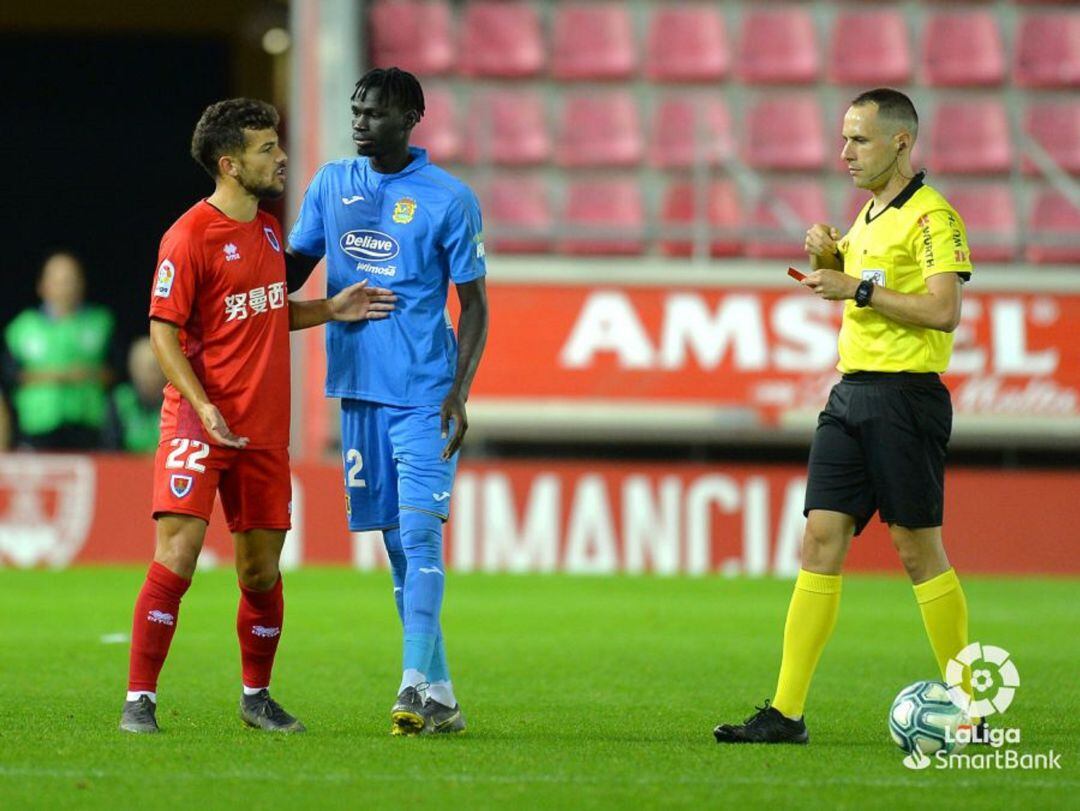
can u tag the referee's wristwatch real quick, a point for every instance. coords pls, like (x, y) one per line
(863, 293)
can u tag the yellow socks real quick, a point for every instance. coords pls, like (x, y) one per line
(945, 615)
(810, 621)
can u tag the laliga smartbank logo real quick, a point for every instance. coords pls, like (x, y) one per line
(994, 681)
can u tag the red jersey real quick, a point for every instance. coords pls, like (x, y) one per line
(223, 283)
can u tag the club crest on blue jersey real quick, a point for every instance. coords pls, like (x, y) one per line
(180, 484)
(404, 210)
(271, 237)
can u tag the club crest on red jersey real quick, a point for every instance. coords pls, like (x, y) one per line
(180, 485)
(271, 237)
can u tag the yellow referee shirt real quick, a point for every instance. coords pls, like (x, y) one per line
(917, 235)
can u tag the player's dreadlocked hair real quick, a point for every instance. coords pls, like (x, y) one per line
(399, 88)
(220, 130)
(893, 105)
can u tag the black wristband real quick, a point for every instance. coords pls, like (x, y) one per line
(863, 293)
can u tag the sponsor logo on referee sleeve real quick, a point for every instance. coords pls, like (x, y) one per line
(927, 240)
(166, 273)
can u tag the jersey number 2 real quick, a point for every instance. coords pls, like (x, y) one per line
(354, 463)
(199, 451)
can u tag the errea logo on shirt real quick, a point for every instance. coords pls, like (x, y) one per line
(232, 253)
(373, 246)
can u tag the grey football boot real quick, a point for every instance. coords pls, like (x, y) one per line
(139, 716)
(262, 712)
(438, 718)
(407, 714)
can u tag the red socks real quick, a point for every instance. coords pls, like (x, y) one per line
(258, 625)
(152, 629)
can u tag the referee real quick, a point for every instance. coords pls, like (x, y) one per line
(880, 442)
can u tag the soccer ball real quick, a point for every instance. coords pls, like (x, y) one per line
(923, 716)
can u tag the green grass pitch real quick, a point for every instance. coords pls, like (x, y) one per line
(579, 692)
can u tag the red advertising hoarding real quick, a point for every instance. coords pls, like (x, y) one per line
(536, 516)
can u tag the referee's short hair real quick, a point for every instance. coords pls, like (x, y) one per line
(892, 105)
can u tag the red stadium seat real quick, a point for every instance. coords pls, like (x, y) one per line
(603, 217)
(1048, 50)
(517, 215)
(600, 129)
(970, 137)
(785, 133)
(870, 48)
(1056, 128)
(723, 217)
(989, 214)
(963, 49)
(778, 46)
(508, 128)
(1053, 230)
(437, 131)
(796, 204)
(415, 35)
(593, 41)
(685, 126)
(687, 44)
(501, 38)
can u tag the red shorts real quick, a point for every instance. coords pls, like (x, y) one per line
(255, 486)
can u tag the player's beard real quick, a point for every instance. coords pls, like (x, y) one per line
(260, 189)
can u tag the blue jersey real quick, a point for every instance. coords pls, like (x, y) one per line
(413, 232)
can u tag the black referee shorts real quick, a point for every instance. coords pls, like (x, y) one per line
(880, 446)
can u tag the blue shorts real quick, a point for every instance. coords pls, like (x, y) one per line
(393, 461)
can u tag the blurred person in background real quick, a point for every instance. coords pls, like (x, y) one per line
(135, 407)
(59, 362)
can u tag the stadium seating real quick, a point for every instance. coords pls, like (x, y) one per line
(989, 215)
(1055, 127)
(603, 216)
(687, 44)
(416, 35)
(686, 126)
(778, 46)
(963, 49)
(869, 48)
(593, 41)
(1053, 230)
(1048, 50)
(508, 128)
(438, 131)
(517, 212)
(796, 204)
(723, 219)
(785, 132)
(501, 38)
(599, 129)
(970, 137)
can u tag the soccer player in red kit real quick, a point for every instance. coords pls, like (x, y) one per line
(220, 321)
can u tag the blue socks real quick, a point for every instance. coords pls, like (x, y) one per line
(415, 552)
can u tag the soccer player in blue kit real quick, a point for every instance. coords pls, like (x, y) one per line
(394, 218)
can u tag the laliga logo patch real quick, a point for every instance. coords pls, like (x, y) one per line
(180, 484)
(271, 237)
(165, 275)
(404, 210)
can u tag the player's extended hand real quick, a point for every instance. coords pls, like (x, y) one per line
(359, 302)
(453, 409)
(821, 240)
(831, 285)
(218, 429)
